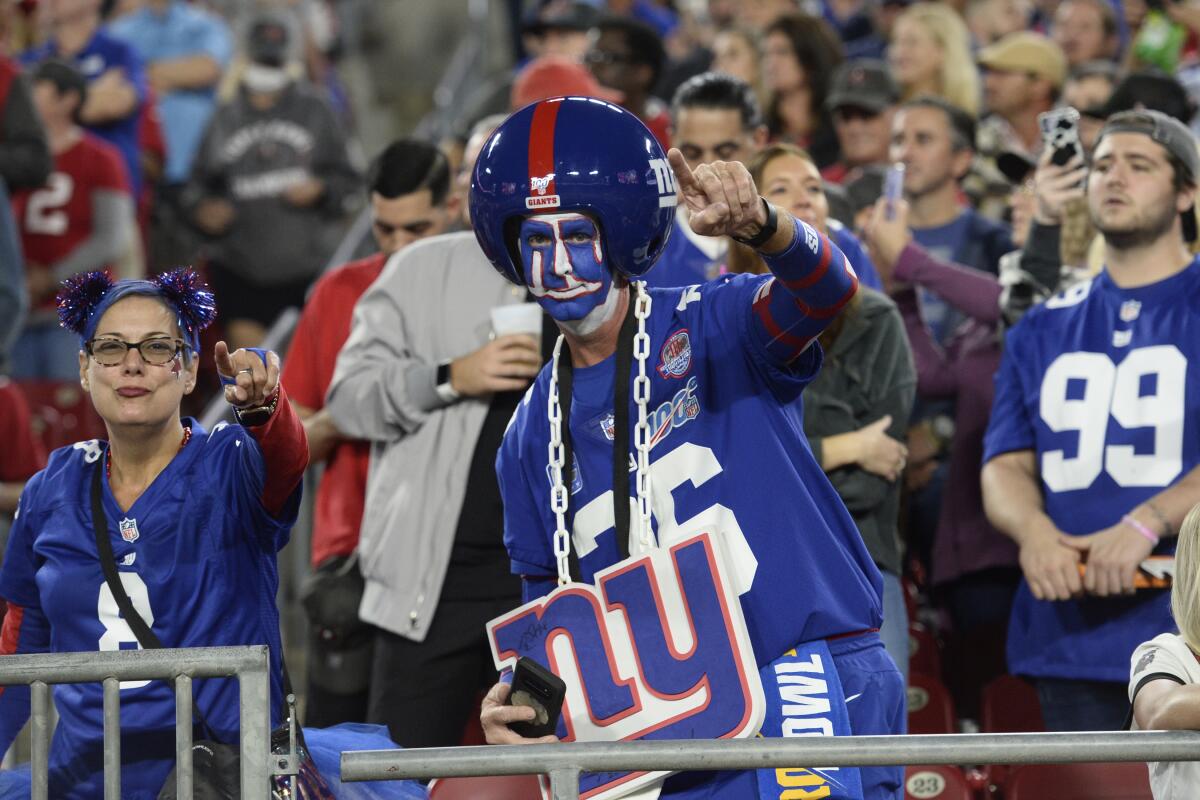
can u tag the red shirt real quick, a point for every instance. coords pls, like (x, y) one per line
(24, 454)
(307, 372)
(56, 218)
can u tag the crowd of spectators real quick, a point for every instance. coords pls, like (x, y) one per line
(141, 133)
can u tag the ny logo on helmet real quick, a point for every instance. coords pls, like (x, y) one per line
(656, 649)
(665, 179)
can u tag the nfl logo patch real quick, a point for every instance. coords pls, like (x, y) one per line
(1130, 310)
(129, 531)
(676, 358)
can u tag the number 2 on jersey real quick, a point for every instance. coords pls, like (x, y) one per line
(1146, 390)
(116, 630)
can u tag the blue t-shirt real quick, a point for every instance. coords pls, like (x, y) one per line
(182, 30)
(196, 553)
(102, 53)
(729, 456)
(945, 242)
(1098, 383)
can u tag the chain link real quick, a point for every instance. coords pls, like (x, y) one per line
(558, 491)
(641, 434)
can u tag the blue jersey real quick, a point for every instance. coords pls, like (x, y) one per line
(102, 53)
(196, 554)
(1098, 383)
(729, 457)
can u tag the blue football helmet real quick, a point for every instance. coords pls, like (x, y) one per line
(574, 154)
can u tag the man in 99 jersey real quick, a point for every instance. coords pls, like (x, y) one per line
(1091, 454)
(573, 199)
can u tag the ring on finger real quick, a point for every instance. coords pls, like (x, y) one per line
(247, 370)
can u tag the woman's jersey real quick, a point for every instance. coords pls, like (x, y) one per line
(728, 456)
(196, 554)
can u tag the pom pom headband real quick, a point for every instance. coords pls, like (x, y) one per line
(84, 298)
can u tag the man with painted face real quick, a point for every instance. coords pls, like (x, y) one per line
(574, 199)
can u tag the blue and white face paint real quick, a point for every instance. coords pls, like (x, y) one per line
(566, 270)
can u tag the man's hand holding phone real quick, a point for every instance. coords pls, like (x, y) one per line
(1055, 186)
(527, 711)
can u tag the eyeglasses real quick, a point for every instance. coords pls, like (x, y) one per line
(157, 351)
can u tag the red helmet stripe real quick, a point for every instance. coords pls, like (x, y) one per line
(541, 144)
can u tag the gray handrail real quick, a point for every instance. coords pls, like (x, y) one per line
(564, 762)
(248, 664)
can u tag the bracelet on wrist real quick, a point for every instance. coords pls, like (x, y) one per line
(766, 231)
(257, 415)
(1140, 528)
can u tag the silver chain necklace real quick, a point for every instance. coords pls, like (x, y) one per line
(641, 437)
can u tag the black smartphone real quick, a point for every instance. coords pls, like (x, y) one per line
(537, 687)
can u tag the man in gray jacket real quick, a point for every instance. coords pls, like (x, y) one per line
(423, 378)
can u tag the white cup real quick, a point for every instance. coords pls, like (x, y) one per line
(523, 318)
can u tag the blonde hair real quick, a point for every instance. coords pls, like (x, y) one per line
(1185, 589)
(960, 77)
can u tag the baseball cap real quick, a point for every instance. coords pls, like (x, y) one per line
(560, 16)
(268, 40)
(1026, 51)
(557, 76)
(863, 83)
(1149, 89)
(1174, 136)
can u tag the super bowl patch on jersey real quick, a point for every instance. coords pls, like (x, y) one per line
(676, 356)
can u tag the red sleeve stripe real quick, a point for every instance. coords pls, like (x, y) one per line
(10, 633)
(835, 309)
(778, 335)
(795, 284)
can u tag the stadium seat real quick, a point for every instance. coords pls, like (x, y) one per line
(1128, 781)
(507, 787)
(1010, 705)
(930, 707)
(62, 413)
(924, 655)
(935, 783)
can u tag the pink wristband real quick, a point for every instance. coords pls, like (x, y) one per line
(1140, 528)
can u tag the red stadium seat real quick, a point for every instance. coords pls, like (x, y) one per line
(1010, 705)
(62, 413)
(508, 787)
(1129, 781)
(924, 655)
(935, 783)
(930, 707)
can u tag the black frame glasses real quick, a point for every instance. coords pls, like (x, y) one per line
(151, 350)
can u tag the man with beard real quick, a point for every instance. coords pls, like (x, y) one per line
(1092, 451)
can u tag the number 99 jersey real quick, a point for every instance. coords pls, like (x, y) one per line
(1097, 382)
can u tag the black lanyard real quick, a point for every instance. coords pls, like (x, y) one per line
(620, 476)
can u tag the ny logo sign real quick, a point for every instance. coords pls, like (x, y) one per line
(657, 649)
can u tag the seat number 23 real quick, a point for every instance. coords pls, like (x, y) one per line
(1081, 392)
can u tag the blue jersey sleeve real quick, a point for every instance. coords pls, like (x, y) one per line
(238, 461)
(863, 266)
(126, 58)
(526, 536)
(1009, 427)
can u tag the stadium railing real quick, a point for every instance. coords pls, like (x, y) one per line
(247, 664)
(564, 762)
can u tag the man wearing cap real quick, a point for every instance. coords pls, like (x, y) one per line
(862, 99)
(1092, 455)
(1023, 74)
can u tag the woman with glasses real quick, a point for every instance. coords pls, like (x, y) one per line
(194, 518)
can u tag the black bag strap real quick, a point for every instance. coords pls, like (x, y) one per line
(620, 476)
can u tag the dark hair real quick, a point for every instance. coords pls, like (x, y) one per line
(819, 52)
(716, 90)
(962, 126)
(645, 45)
(409, 165)
(65, 78)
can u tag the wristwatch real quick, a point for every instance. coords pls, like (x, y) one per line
(768, 229)
(442, 383)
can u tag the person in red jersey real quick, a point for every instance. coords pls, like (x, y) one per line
(79, 220)
(409, 186)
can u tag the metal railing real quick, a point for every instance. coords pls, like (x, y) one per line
(248, 664)
(564, 762)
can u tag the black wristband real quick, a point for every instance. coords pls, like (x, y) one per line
(768, 228)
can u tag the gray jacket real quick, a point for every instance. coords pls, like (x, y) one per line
(431, 303)
(867, 374)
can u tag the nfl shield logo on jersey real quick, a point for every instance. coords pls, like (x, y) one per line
(1130, 310)
(129, 531)
(676, 355)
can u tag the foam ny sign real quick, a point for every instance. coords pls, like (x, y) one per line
(656, 649)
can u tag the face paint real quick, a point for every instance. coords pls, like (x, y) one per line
(564, 265)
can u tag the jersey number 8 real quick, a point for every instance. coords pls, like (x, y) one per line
(117, 633)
